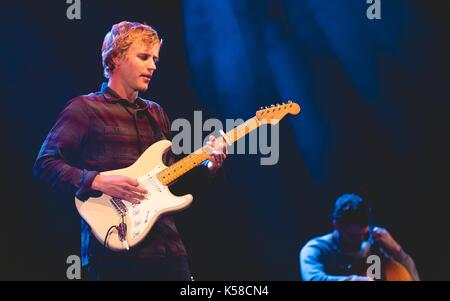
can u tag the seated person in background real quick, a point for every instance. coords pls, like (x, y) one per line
(338, 256)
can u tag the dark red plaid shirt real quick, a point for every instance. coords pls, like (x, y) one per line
(99, 132)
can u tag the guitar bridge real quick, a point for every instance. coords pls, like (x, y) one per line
(119, 206)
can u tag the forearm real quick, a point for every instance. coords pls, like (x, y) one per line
(316, 272)
(67, 178)
(325, 277)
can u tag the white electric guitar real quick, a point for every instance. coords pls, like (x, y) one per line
(120, 225)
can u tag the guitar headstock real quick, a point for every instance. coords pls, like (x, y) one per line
(274, 113)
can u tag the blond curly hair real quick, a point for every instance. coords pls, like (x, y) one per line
(119, 39)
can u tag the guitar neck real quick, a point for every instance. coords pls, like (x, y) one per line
(176, 170)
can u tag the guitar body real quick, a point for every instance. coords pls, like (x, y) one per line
(391, 270)
(394, 271)
(101, 213)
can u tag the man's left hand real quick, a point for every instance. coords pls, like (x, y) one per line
(217, 155)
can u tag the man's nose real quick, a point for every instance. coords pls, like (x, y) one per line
(151, 66)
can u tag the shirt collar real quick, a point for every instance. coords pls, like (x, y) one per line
(112, 97)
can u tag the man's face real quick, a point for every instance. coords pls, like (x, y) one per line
(353, 235)
(135, 69)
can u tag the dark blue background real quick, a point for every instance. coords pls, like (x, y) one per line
(374, 121)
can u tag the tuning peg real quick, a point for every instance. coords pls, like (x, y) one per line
(261, 108)
(289, 101)
(271, 106)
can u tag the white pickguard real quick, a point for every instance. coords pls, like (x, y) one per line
(158, 201)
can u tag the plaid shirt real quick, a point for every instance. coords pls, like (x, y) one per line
(99, 132)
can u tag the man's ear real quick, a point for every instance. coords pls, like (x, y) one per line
(117, 61)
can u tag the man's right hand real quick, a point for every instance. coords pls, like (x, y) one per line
(121, 187)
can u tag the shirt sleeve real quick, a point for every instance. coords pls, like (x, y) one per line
(312, 267)
(61, 150)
